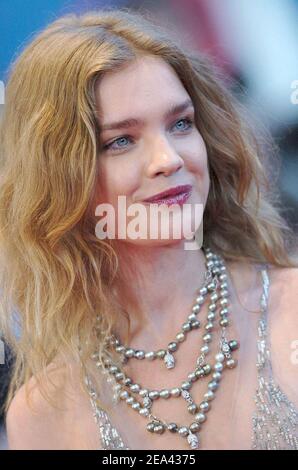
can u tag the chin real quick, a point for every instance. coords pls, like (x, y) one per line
(159, 242)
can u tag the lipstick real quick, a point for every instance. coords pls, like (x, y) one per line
(177, 195)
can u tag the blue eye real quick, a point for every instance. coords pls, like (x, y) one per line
(188, 121)
(112, 146)
(108, 146)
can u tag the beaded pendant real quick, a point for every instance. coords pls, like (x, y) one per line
(193, 440)
(169, 360)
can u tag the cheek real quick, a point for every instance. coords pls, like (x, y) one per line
(196, 157)
(197, 163)
(116, 178)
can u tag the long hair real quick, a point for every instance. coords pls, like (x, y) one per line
(55, 273)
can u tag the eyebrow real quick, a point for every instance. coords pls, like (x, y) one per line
(133, 122)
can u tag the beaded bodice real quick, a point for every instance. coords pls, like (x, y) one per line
(275, 417)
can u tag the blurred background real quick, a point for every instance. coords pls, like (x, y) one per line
(255, 42)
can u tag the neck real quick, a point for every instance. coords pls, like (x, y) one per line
(157, 289)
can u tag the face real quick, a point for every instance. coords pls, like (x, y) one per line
(157, 147)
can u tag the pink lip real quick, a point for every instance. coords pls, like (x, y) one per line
(178, 195)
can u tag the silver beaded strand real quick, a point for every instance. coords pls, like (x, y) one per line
(216, 278)
(190, 324)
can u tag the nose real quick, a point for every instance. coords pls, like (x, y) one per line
(163, 159)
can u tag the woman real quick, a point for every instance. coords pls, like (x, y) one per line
(144, 343)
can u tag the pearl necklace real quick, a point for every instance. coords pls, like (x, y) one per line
(215, 279)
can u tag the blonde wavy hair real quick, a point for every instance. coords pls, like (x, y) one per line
(56, 275)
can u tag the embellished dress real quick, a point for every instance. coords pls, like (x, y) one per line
(273, 416)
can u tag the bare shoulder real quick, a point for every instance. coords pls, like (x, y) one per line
(53, 424)
(282, 317)
(283, 327)
(40, 419)
(282, 275)
(283, 295)
(246, 281)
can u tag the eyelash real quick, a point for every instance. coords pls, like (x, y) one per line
(188, 120)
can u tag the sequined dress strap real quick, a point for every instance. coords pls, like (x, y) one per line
(110, 438)
(275, 421)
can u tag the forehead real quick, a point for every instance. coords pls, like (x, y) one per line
(147, 83)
